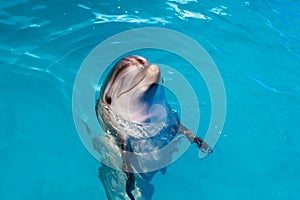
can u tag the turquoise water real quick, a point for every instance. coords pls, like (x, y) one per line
(255, 45)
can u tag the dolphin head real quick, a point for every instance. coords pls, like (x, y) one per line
(133, 91)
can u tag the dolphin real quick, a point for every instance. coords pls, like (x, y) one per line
(133, 92)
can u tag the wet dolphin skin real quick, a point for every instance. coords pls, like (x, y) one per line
(133, 92)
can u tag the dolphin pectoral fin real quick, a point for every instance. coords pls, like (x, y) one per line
(127, 168)
(203, 146)
(130, 185)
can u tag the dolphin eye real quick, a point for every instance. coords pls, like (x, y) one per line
(108, 99)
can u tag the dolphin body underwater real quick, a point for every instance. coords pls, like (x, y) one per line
(131, 107)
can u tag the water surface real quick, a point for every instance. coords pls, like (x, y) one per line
(253, 43)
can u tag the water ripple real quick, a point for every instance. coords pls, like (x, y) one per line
(219, 10)
(184, 14)
(104, 18)
(183, 1)
(83, 6)
(273, 88)
(125, 18)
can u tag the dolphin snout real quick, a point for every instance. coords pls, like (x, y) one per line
(154, 68)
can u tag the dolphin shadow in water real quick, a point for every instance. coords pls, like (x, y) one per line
(137, 119)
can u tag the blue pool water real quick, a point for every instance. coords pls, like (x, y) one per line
(255, 45)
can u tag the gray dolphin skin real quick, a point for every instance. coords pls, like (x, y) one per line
(133, 94)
